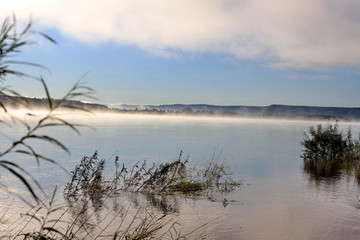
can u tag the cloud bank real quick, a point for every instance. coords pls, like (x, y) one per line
(281, 33)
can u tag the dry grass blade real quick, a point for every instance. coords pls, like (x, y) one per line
(3, 107)
(47, 37)
(63, 123)
(47, 93)
(50, 140)
(16, 166)
(21, 178)
(27, 63)
(34, 154)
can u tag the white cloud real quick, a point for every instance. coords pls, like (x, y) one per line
(282, 33)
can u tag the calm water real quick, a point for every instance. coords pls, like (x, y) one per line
(277, 201)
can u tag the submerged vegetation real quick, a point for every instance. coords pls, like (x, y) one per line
(328, 151)
(176, 176)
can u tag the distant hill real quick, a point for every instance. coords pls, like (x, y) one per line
(15, 103)
(257, 111)
(277, 111)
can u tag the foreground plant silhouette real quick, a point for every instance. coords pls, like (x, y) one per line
(11, 43)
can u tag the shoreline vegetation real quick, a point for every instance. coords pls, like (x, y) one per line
(272, 111)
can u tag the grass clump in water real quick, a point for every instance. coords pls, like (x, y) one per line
(216, 175)
(327, 151)
(87, 177)
(167, 178)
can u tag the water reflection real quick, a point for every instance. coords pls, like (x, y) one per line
(163, 203)
(322, 170)
(326, 173)
(96, 204)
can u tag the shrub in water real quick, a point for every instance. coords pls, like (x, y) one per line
(327, 150)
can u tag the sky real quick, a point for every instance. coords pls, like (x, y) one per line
(221, 52)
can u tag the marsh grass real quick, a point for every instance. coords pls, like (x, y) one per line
(172, 177)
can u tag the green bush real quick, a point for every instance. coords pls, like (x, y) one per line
(327, 150)
(330, 144)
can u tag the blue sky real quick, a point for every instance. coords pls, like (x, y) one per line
(222, 52)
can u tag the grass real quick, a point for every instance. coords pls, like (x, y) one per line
(162, 186)
(176, 176)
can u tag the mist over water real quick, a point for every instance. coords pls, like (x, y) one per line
(278, 200)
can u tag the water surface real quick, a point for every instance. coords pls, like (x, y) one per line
(278, 200)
